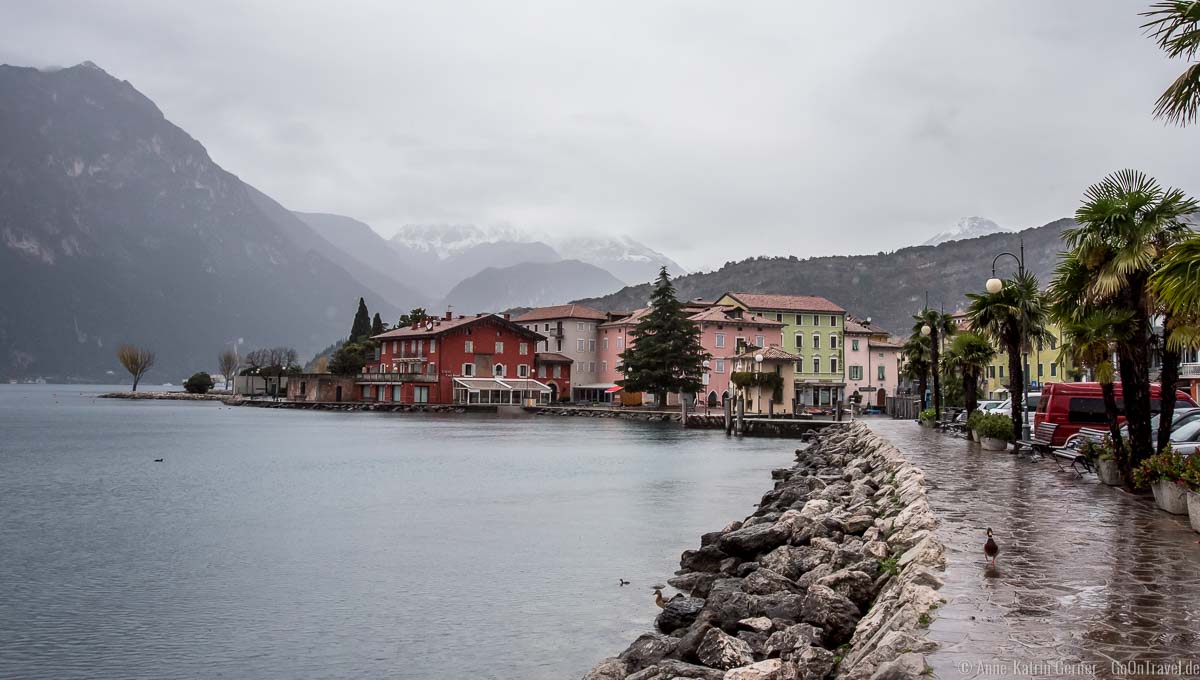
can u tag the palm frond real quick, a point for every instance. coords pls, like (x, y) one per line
(1179, 104)
(1175, 26)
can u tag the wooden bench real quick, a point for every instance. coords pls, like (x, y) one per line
(1072, 451)
(1040, 442)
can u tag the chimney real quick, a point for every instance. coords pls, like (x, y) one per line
(449, 316)
(507, 316)
(478, 315)
(461, 316)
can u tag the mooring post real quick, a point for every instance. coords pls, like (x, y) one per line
(683, 411)
(727, 407)
(741, 414)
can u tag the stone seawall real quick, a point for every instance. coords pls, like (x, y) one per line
(169, 396)
(834, 576)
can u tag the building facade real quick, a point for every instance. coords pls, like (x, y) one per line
(726, 332)
(1043, 364)
(872, 362)
(570, 331)
(813, 330)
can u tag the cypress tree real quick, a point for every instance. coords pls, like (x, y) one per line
(665, 354)
(362, 323)
(376, 325)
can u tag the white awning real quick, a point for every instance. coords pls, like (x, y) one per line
(596, 386)
(505, 384)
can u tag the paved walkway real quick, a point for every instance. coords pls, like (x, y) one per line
(1088, 577)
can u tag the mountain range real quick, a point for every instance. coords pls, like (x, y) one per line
(967, 227)
(887, 287)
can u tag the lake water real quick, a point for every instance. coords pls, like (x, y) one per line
(293, 544)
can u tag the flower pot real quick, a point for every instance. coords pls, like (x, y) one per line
(1193, 503)
(1170, 497)
(1108, 472)
(990, 444)
(974, 435)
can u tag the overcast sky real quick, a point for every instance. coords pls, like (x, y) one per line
(709, 130)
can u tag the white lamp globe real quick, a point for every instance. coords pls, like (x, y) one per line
(758, 358)
(994, 285)
(926, 330)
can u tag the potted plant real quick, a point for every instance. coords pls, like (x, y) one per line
(928, 417)
(1103, 458)
(973, 424)
(1163, 473)
(1191, 479)
(995, 432)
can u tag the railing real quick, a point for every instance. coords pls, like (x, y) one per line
(1189, 370)
(395, 377)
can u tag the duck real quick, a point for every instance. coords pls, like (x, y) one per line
(990, 549)
(658, 598)
(158, 460)
(623, 581)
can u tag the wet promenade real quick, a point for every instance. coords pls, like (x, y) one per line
(1090, 582)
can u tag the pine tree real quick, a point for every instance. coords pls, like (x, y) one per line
(376, 325)
(362, 323)
(665, 354)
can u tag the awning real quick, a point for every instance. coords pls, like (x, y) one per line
(614, 388)
(596, 386)
(507, 385)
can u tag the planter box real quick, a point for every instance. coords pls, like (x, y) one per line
(1170, 497)
(974, 436)
(1108, 472)
(1193, 503)
(990, 444)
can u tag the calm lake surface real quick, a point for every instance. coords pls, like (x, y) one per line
(291, 544)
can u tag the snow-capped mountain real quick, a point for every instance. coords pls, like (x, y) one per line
(628, 260)
(967, 227)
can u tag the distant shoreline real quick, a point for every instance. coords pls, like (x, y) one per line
(169, 396)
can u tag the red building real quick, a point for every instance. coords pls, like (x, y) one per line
(483, 359)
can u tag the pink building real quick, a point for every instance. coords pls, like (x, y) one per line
(872, 362)
(726, 332)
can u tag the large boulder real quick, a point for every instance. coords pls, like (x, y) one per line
(763, 581)
(707, 558)
(679, 613)
(731, 606)
(910, 666)
(763, 670)
(648, 650)
(721, 650)
(833, 612)
(752, 540)
(698, 583)
(670, 669)
(809, 663)
(856, 586)
(792, 638)
(781, 605)
(793, 561)
(609, 669)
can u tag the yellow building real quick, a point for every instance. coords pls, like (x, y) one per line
(1041, 366)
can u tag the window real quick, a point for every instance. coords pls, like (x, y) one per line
(557, 370)
(833, 364)
(833, 321)
(991, 371)
(799, 341)
(421, 395)
(395, 346)
(1041, 368)
(1053, 369)
(541, 370)
(579, 326)
(758, 341)
(620, 343)
(720, 366)
(720, 340)
(578, 344)
(432, 368)
(420, 347)
(591, 346)
(854, 345)
(469, 347)
(816, 364)
(498, 370)
(604, 343)
(433, 345)
(366, 392)
(468, 370)
(779, 316)
(856, 372)
(816, 341)
(832, 341)
(522, 370)
(604, 367)
(396, 393)
(816, 320)
(303, 387)
(499, 347)
(881, 374)
(1001, 371)
(591, 367)
(523, 348)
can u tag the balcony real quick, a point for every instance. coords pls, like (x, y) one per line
(1189, 370)
(395, 378)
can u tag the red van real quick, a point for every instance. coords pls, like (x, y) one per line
(1075, 405)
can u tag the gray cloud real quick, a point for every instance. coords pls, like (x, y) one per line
(711, 131)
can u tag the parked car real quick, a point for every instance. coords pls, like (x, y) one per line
(1005, 406)
(991, 406)
(1072, 406)
(1185, 436)
(1183, 416)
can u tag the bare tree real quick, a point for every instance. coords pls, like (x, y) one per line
(136, 360)
(227, 363)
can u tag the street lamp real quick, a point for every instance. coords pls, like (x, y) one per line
(926, 330)
(995, 285)
(758, 359)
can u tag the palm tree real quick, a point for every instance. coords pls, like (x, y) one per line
(969, 355)
(1127, 223)
(1175, 26)
(1088, 340)
(1010, 318)
(916, 362)
(941, 326)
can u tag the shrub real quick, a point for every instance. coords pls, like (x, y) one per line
(973, 419)
(928, 414)
(1191, 473)
(1168, 466)
(1102, 450)
(995, 426)
(199, 383)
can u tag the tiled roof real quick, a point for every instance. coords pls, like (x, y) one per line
(553, 358)
(443, 325)
(720, 314)
(888, 344)
(561, 312)
(859, 327)
(786, 303)
(771, 353)
(632, 319)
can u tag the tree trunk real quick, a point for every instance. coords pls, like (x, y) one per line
(1135, 376)
(1114, 432)
(937, 379)
(1016, 383)
(970, 400)
(1168, 379)
(922, 386)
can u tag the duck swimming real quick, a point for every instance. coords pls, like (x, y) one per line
(990, 549)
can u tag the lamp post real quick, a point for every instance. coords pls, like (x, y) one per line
(758, 359)
(995, 285)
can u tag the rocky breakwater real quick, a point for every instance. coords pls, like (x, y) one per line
(835, 576)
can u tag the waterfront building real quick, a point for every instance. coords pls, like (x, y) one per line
(571, 331)
(726, 332)
(872, 362)
(1044, 363)
(813, 330)
(763, 400)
